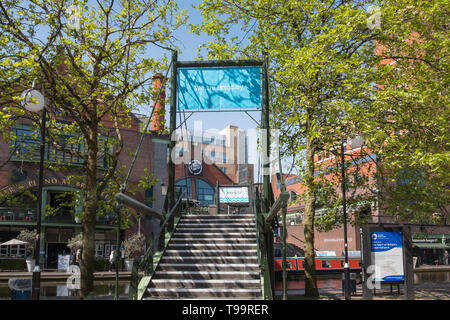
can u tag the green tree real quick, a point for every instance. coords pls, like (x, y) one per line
(94, 61)
(410, 121)
(321, 68)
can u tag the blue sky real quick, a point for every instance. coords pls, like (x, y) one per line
(188, 44)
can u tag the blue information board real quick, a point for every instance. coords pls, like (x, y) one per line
(219, 88)
(387, 256)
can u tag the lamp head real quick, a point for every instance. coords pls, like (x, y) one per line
(33, 100)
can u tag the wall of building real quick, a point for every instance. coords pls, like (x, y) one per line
(18, 175)
(326, 241)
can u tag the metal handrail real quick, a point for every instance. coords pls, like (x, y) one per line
(147, 263)
(171, 212)
(262, 254)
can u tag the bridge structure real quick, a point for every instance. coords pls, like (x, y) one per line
(210, 256)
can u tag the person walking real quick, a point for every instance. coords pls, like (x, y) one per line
(78, 258)
(446, 257)
(111, 260)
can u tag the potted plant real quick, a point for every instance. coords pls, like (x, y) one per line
(134, 247)
(29, 236)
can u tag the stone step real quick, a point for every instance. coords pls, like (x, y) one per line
(217, 223)
(204, 293)
(205, 283)
(218, 216)
(214, 233)
(208, 253)
(202, 229)
(193, 266)
(212, 246)
(215, 240)
(211, 259)
(183, 274)
(215, 227)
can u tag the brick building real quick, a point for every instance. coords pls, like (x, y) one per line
(429, 241)
(19, 173)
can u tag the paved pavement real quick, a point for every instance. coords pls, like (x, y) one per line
(425, 291)
(60, 275)
(422, 291)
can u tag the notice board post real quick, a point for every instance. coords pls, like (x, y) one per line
(387, 258)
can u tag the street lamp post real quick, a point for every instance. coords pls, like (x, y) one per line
(356, 142)
(344, 208)
(34, 101)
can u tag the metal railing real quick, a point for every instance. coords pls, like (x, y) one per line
(17, 214)
(263, 259)
(149, 261)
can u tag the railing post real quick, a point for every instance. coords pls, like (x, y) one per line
(134, 281)
(162, 238)
(148, 257)
(170, 223)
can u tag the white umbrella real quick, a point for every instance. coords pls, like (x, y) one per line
(13, 242)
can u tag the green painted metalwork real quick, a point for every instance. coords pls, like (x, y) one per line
(277, 206)
(266, 287)
(148, 263)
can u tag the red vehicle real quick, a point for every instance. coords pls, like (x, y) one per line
(323, 264)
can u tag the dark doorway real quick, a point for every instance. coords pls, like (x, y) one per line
(53, 249)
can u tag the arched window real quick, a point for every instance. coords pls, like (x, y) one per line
(185, 186)
(205, 193)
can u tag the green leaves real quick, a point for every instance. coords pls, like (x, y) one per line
(334, 72)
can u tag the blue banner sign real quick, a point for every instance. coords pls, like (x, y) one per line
(219, 88)
(387, 256)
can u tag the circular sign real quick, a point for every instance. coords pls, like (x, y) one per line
(195, 167)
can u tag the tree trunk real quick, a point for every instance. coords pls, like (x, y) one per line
(311, 289)
(89, 219)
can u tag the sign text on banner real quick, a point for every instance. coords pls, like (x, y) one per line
(219, 88)
(387, 255)
(233, 195)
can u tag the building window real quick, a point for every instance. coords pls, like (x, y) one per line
(25, 147)
(185, 185)
(60, 207)
(326, 264)
(149, 197)
(205, 193)
(294, 219)
(3, 251)
(224, 170)
(103, 248)
(14, 251)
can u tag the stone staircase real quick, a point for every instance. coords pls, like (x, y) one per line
(209, 257)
